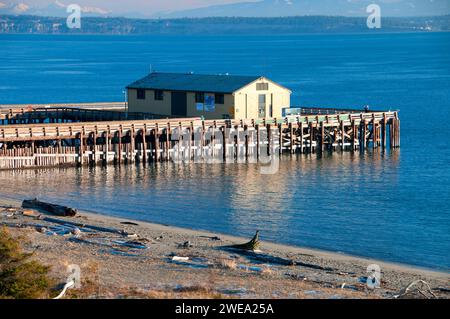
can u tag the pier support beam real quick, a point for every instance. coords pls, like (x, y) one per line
(144, 145)
(81, 149)
(156, 142)
(119, 152)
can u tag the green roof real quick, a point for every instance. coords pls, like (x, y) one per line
(193, 82)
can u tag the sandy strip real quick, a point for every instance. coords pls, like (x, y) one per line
(269, 246)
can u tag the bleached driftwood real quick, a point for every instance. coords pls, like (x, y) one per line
(415, 283)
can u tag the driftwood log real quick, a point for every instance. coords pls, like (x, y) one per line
(52, 209)
(252, 245)
(420, 287)
(250, 250)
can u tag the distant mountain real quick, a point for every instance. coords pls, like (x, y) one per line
(55, 9)
(349, 8)
(246, 8)
(220, 26)
(14, 8)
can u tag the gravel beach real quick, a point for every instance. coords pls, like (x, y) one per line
(121, 258)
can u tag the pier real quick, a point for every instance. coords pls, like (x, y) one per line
(67, 142)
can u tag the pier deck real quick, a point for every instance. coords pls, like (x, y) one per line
(143, 141)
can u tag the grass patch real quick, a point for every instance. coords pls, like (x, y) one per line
(20, 277)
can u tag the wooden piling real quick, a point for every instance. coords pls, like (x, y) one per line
(156, 142)
(322, 136)
(269, 139)
(291, 139)
(81, 149)
(167, 137)
(224, 143)
(132, 144)
(257, 140)
(301, 137)
(119, 160)
(354, 135)
(144, 146)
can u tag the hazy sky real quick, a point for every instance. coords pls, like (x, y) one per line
(150, 6)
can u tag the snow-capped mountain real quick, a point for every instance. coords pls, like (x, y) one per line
(276, 8)
(14, 8)
(55, 9)
(246, 8)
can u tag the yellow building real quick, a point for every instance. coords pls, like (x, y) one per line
(210, 96)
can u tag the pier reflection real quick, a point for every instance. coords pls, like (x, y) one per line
(229, 197)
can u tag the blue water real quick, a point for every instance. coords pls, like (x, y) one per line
(392, 207)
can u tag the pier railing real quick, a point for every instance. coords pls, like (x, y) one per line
(94, 105)
(93, 112)
(69, 114)
(51, 144)
(329, 111)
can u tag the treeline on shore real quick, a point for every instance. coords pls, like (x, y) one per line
(222, 25)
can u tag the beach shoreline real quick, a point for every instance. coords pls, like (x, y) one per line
(329, 274)
(272, 245)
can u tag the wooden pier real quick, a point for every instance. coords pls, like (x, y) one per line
(192, 139)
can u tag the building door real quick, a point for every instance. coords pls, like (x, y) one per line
(179, 103)
(262, 106)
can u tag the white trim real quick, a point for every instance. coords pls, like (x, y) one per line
(259, 79)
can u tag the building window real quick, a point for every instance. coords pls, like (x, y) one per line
(262, 86)
(220, 99)
(141, 94)
(199, 97)
(159, 95)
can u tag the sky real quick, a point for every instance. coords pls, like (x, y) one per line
(150, 6)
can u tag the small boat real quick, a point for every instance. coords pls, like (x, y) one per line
(52, 209)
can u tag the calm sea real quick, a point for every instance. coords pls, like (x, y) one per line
(393, 207)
